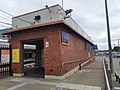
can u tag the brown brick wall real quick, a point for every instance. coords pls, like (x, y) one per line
(51, 54)
(74, 51)
(56, 53)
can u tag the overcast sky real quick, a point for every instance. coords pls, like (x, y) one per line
(89, 14)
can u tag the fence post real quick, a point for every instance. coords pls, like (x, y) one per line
(0, 55)
(10, 64)
(80, 67)
(0, 70)
(5, 66)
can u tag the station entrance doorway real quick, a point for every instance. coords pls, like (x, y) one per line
(33, 58)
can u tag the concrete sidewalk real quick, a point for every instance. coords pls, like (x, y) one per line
(90, 77)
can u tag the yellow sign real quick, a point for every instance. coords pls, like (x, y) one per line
(15, 55)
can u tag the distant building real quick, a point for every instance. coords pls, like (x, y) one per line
(29, 52)
(61, 44)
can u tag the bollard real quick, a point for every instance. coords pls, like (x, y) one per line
(119, 79)
(80, 67)
(106, 66)
(116, 77)
(119, 63)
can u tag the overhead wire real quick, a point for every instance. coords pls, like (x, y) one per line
(16, 17)
(4, 26)
(8, 24)
(6, 15)
(5, 18)
(6, 12)
(5, 23)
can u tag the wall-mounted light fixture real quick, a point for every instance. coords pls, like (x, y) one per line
(37, 18)
(68, 13)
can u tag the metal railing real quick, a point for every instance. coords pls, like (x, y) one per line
(81, 62)
(107, 75)
(4, 69)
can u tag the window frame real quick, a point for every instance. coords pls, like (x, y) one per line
(64, 38)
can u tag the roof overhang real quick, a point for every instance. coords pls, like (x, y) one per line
(41, 25)
(33, 26)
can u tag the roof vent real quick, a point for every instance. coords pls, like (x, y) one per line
(68, 13)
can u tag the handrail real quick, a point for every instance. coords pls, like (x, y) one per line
(71, 62)
(106, 76)
(68, 62)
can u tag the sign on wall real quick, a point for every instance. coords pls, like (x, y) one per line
(47, 44)
(5, 56)
(95, 47)
(15, 55)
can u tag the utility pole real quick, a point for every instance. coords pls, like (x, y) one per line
(62, 3)
(118, 42)
(109, 38)
(114, 45)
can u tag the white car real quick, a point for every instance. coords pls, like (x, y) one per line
(116, 54)
(106, 53)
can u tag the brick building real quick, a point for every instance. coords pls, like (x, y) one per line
(61, 44)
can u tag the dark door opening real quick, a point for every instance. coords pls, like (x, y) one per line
(33, 58)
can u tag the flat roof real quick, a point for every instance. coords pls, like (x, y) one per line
(37, 11)
(69, 22)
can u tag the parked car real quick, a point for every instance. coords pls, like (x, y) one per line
(106, 53)
(116, 55)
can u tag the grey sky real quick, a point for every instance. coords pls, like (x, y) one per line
(89, 14)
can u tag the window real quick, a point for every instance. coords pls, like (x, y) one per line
(64, 37)
(85, 46)
(27, 55)
(88, 47)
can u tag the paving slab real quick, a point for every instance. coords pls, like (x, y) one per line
(35, 87)
(91, 75)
